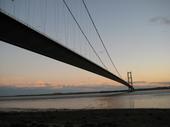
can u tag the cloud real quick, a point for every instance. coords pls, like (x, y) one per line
(40, 83)
(161, 20)
(151, 84)
(13, 90)
(140, 82)
(162, 83)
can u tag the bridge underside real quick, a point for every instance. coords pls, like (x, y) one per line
(16, 33)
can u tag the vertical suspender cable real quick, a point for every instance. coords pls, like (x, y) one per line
(45, 20)
(100, 36)
(83, 33)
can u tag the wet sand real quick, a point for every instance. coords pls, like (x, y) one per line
(86, 118)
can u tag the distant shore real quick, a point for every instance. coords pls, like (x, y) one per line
(87, 118)
(94, 92)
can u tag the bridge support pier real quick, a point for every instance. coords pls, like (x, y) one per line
(130, 81)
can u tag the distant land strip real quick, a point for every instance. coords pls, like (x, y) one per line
(94, 92)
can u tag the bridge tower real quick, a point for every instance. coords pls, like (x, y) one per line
(130, 80)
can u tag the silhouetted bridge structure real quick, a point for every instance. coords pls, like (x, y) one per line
(18, 34)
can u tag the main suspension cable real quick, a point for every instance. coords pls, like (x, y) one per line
(83, 33)
(94, 25)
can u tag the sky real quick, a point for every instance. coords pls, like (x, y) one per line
(135, 32)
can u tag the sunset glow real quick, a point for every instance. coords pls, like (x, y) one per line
(136, 34)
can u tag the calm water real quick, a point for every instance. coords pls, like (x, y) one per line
(148, 99)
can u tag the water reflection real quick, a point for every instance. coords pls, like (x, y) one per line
(152, 99)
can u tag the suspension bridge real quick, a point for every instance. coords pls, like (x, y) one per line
(18, 31)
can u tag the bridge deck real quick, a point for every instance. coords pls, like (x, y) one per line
(16, 33)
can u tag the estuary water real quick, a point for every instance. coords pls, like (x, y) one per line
(146, 99)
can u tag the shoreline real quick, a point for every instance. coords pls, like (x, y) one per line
(87, 118)
(78, 95)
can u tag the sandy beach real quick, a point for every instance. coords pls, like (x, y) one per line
(86, 118)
